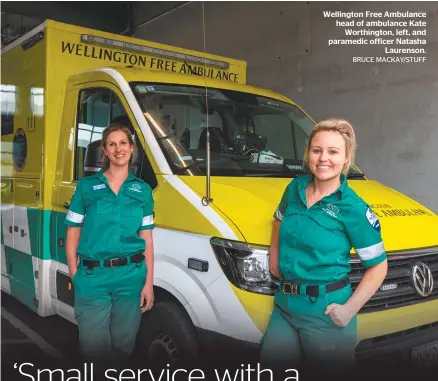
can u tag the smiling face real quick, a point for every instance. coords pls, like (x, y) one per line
(327, 155)
(118, 148)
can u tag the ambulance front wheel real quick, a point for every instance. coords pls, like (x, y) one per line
(167, 336)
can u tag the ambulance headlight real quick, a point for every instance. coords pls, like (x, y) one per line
(246, 266)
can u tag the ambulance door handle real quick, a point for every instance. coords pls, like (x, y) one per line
(30, 123)
(66, 205)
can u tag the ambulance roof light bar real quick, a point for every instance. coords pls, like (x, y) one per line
(88, 38)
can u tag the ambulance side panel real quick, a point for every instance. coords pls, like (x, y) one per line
(23, 129)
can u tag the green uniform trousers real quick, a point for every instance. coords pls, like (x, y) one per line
(300, 336)
(107, 309)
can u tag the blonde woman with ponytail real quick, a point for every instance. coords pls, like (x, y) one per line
(318, 221)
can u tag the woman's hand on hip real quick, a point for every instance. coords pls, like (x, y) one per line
(274, 271)
(341, 314)
(273, 266)
(147, 298)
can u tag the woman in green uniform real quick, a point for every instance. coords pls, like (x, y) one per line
(110, 251)
(319, 219)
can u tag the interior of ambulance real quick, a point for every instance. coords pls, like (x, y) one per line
(250, 135)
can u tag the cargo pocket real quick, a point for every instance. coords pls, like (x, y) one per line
(78, 308)
(289, 225)
(98, 200)
(329, 224)
(134, 206)
(103, 206)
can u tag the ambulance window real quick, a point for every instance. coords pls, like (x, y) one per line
(117, 109)
(36, 101)
(300, 141)
(9, 102)
(184, 119)
(278, 130)
(97, 108)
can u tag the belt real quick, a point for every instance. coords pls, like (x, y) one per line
(114, 262)
(291, 288)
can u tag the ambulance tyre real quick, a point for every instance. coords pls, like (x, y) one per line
(168, 336)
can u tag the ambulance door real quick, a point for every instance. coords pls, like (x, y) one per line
(27, 221)
(7, 231)
(89, 109)
(63, 188)
(9, 103)
(20, 192)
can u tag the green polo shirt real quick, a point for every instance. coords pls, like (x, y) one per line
(315, 242)
(110, 223)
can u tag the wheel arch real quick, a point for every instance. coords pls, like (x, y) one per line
(162, 294)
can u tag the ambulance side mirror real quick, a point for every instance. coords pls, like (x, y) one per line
(93, 158)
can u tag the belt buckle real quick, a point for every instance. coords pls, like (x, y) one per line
(114, 260)
(290, 288)
(294, 289)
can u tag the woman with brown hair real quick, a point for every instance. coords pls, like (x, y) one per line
(110, 251)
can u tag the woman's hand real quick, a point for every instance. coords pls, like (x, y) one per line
(273, 268)
(341, 314)
(72, 273)
(274, 250)
(73, 236)
(147, 298)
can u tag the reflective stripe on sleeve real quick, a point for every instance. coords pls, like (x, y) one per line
(278, 215)
(148, 220)
(371, 252)
(75, 217)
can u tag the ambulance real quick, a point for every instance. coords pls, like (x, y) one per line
(218, 154)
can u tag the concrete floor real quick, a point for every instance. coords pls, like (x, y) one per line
(52, 343)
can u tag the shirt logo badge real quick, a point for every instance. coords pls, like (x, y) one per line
(97, 187)
(332, 210)
(372, 219)
(135, 188)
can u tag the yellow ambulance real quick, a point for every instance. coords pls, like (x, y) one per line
(61, 85)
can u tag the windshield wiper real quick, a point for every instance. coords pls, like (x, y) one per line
(276, 174)
(240, 158)
(356, 176)
(183, 169)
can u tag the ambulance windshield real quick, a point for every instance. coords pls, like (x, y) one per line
(250, 135)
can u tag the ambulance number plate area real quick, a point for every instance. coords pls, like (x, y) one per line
(425, 355)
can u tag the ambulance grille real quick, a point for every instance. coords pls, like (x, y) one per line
(398, 289)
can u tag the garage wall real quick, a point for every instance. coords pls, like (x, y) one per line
(394, 107)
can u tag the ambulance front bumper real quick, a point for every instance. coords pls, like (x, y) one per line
(411, 349)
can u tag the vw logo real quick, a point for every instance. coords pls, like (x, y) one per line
(422, 279)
